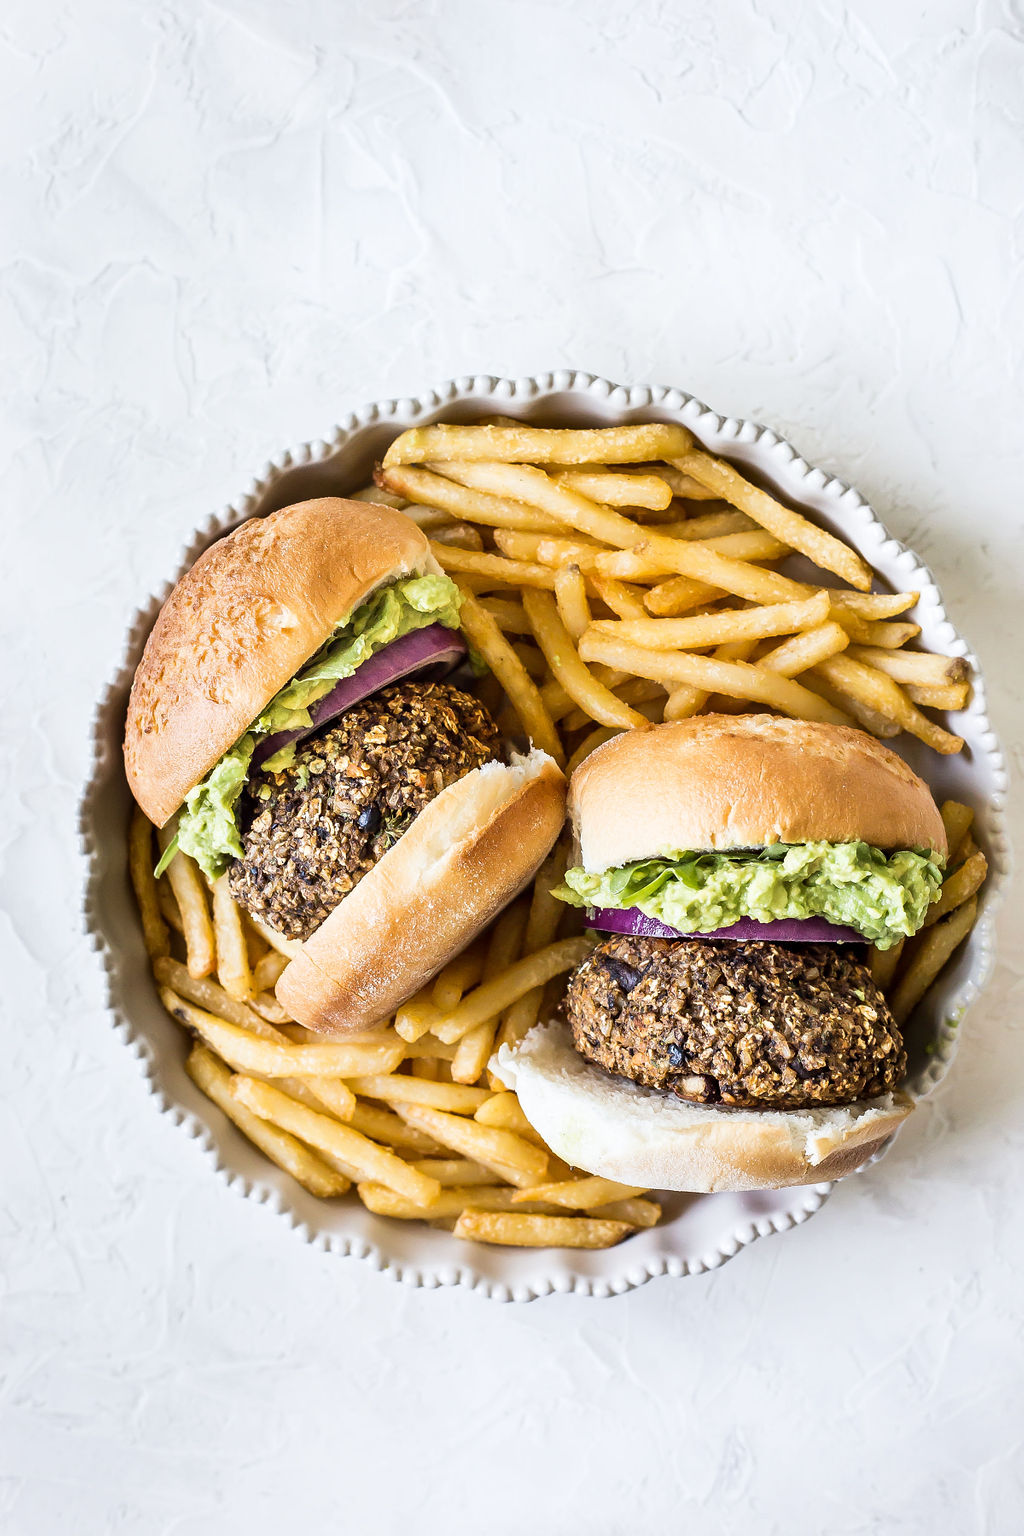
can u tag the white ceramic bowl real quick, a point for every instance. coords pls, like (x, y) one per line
(701, 1231)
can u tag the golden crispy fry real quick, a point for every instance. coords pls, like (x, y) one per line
(879, 692)
(711, 525)
(648, 697)
(928, 954)
(384, 1126)
(454, 1172)
(637, 1212)
(597, 738)
(341, 1141)
(287, 947)
(561, 656)
(457, 977)
(212, 997)
(267, 970)
(683, 486)
(624, 600)
(507, 614)
(520, 1231)
(868, 719)
(485, 636)
(952, 696)
(734, 678)
(168, 907)
(268, 1007)
(958, 887)
(324, 1092)
(512, 1158)
(381, 497)
(640, 564)
(510, 573)
(414, 1018)
(679, 595)
(919, 667)
(531, 484)
(458, 536)
(870, 605)
(472, 506)
(140, 867)
(878, 632)
(309, 1170)
(452, 1201)
(504, 947)
(571, 597)
(804, 650)
(579, 1194)
(504, 1112)
(542, 445)
(397, 1088)
(957, 820)
(716, 628)
(190, 894)
(616, 490)
(791, 527)
(492, 996)
(546, 548)
(250, 1053)
(884, 963)
(233, 970)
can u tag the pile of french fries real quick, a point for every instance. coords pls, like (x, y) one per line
(610, 577)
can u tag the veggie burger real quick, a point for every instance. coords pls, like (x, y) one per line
(726, 1032)
(293, 711)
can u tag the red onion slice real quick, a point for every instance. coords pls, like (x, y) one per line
(786, 930)
(434, 649)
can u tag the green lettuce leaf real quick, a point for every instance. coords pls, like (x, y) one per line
(207, 829)
(884, 896)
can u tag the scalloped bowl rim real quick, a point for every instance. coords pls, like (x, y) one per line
(620, 1269)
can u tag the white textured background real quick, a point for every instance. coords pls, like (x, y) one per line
(221, 225)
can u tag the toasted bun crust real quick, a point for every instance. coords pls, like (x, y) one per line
(239, 625)
(608, 1126)
(742, 781)
(463, 859)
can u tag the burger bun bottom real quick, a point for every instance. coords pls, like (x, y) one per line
(615, 1128)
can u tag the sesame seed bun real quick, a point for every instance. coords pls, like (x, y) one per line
(465, 857)
(745, 781)
(651, 1139)
(239, 625)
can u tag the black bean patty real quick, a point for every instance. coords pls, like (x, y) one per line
(758, 1025)
(311, 832)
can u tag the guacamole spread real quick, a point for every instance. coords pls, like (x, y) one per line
(885, 896)
(206, 826)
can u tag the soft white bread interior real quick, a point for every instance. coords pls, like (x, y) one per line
(744, 781)
(239, 625)
(465, 857)
(606, 1125)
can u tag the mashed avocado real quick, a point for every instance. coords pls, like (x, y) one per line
(884, 896)
(206, 827)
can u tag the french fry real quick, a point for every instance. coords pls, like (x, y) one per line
(505, 946)
(683, 486)
(384, 1126)
(715, 628)
(579, 1194)
(457, 977)
(679, 595)
(309, 1170)
(878, 631)
(268, 1007)
(512, 1158)
(544, 445)
(485, 636)
(805, 650)
(546, 549)
(414, 1018)
(287, 947)
(492, 996)
(211, 996)
(397, 1088)
(168, 907)
(140, 868)
(472, 506)
(190, 895)
(597, 738)
(792, 528)
(267, 970)
(884, 964)
(640, 564)
(342, 1141)
(638, 1212)
(452, 1201)
(252, 1053)
(577, 680)
(532, 485)
(571, 597)
(641, 692)
(507, 614)
(520, 1231)
(541, 928)
(870, 605)
(509, 573)
(458, 536)
(616, 490)
(325, 1092)
(504, 1112)
(454, 1172)
(958, 887)
(233, 971)
(951, 696)
(957, 820)
(929, 954)
(624, 600)
(920, 667)
(869, 719)
(735, 678)
(875, 689)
